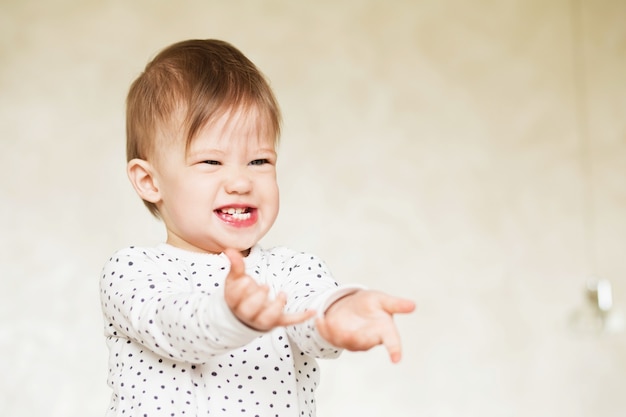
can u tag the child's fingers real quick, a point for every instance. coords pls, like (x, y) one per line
(391, 341)
(258, 312)
(243, 295)
(396, 305)
(273, 315)
(390, 336)
(237, 266)
(249, 301)
(252, 301)
(269, 314)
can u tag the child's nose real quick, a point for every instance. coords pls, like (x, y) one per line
(238, 182)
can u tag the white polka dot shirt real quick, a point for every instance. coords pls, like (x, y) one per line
(176, 349)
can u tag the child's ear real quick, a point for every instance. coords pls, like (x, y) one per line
(142, 178)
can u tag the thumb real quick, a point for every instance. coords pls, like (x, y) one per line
(237, 266)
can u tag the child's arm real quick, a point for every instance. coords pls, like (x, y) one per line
(357, 321)
(364, 319)
(146, 299)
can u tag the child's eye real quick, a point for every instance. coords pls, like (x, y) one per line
(259, 162)
(211, 162)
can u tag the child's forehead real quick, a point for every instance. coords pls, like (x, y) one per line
(240, 128)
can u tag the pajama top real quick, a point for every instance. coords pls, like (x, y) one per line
(176, 349)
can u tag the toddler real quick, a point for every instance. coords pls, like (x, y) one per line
(209, 323)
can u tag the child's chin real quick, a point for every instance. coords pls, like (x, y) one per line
(241, 246)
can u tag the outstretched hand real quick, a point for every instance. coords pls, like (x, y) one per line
(250, 302)
(363, 320)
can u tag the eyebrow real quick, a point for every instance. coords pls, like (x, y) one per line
(201, 153)
(266, 150)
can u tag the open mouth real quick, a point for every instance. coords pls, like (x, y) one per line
(235, 213)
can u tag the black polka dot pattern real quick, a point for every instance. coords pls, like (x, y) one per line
(176, 350)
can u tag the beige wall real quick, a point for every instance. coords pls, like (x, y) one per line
(469, 155)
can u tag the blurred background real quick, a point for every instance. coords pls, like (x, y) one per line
(468, 155)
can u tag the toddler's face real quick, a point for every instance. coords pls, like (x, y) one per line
(221, 193)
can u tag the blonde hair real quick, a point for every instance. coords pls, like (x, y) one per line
(202, 78)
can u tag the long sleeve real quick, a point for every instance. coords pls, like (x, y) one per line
(155, 300)
(176, 348)
(310, 285)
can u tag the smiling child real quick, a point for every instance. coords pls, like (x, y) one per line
(209, 322)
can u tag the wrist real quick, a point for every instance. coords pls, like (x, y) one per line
(337, 295)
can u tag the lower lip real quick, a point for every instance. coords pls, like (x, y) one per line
(231, 221)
